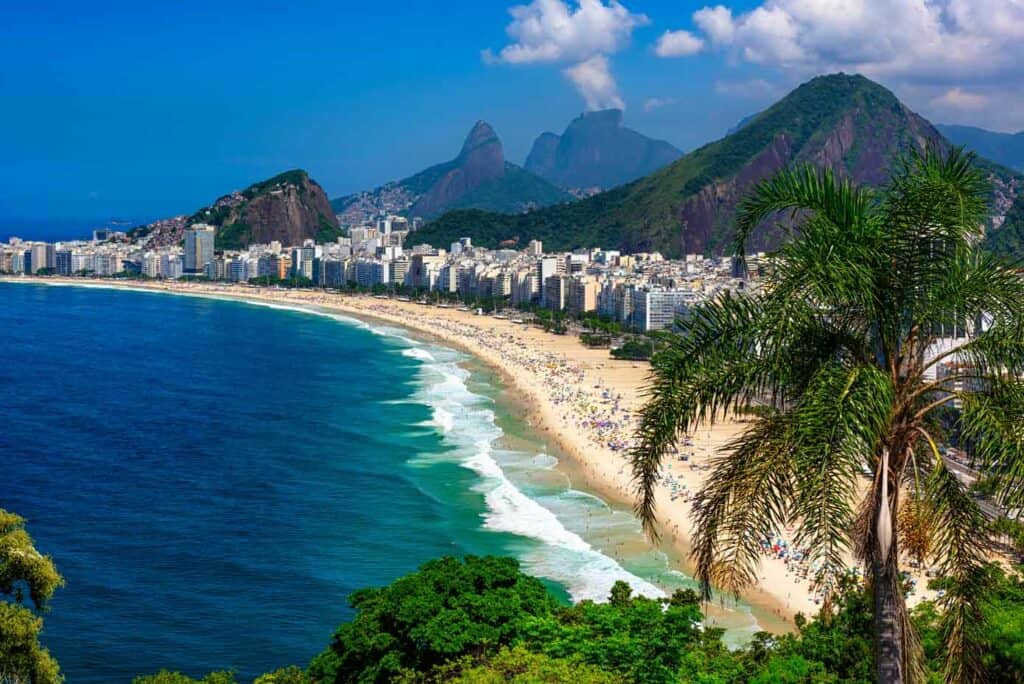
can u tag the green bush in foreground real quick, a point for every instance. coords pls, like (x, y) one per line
(482, 621)
(28, 580)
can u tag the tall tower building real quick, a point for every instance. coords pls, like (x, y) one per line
(199, 240)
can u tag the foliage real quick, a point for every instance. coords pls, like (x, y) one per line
(295, 281)
(166, 677)
(326, 232)
(515, 191)
(23, 570)
(235, 235)
(447, 609)
(296, 177)
(840, 642)
(834, 351)
(1009, 238)
(519, 665)
(641, 639)
(595, 340)
(1003, 628)
(288, 675)
(628, 640)
(636, 348)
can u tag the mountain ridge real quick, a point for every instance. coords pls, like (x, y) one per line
(844, 122)
(1004, 148)
(597, 151)
(479, 177)
(290, 207)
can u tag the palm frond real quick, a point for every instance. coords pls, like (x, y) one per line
(961, 545)
(704, 371)
(837, 427)
(744, 501)
(805, 189)
(992, 423)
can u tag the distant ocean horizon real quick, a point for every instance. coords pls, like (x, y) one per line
(56, 230)
(214, 478)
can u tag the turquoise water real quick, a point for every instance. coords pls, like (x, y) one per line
(213, 478)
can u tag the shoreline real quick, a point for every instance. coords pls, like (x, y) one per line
(578, 398)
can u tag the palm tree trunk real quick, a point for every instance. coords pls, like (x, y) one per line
(889, 640)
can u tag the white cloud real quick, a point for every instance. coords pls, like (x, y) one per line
(582, 33)
(652, 103)
(716, 23)
(755, 88)
(553, 31)
(925, 48)
(957, 98)
(934, 39)
(595, 82)
(678, 44)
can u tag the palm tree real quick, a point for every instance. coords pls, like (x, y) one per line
(844, 360)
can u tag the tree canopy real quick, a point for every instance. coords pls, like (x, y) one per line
(28, 580)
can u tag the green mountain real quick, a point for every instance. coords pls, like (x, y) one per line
(597, 151)
(1003, 148)
(843, 122)
(290, 207)
(479, 177)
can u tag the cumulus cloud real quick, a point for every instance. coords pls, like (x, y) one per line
(919, 38)
(754, 88)
(552, 31)
(652, 103)
(928, 47)
(594, 80)
(957, 98)
(678, 44)
(716, 23)
(582, 33)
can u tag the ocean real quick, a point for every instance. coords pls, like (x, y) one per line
(213, 478)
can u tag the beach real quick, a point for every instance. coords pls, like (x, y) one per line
(580, 399)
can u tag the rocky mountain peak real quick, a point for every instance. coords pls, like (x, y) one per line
(481, 135)
(597, 151)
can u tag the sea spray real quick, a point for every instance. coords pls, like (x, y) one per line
(467, 422)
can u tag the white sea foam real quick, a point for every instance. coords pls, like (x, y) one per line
(467, 423)
(417, 353)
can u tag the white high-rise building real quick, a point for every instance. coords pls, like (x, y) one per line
(199, 240)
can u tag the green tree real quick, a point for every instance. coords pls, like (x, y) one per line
(28, 580)
(1003, 628)
(167, 677)
(520, 666)
(837, 349)
(643, 640)
(288, 675)
(449, 608)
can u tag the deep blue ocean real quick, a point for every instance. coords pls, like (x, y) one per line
(213, 478)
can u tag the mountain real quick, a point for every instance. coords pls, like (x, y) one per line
(478, 178)
(741, 123)
(1004, 148)
(596, 150)
(844, 122)
(290, 207)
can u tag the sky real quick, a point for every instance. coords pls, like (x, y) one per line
(146, 110)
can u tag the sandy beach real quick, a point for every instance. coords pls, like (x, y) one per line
(580, 398)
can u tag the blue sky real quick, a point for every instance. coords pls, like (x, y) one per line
(151, 109)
